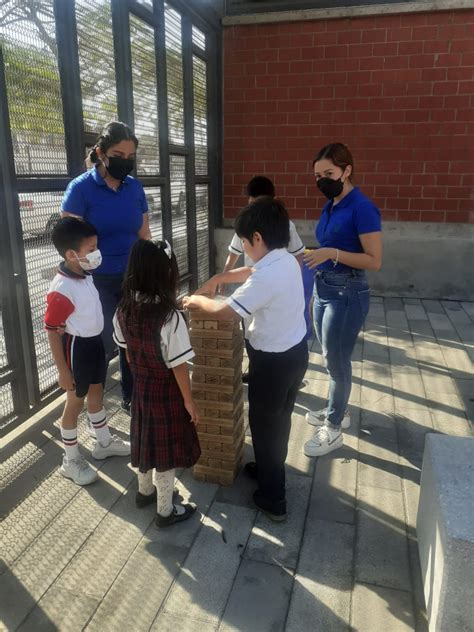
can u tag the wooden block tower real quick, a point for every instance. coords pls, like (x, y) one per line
(217, 390)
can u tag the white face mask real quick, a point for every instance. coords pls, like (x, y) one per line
(91, 261)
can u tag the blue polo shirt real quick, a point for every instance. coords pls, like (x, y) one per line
(117, 215)
(341, 224)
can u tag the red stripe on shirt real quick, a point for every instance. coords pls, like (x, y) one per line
(58, 310)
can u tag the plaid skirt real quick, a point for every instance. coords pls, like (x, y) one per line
(161, 432)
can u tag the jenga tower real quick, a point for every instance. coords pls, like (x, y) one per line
(217, 390)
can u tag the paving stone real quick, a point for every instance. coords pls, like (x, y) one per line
(395, 304)
(396, 319)
(378, 458)
(411, 301)
(203, 594)
(140, 589)
(112, 543)
(381, 520)
(415, 312)
(60, 609)
(322, 589)
(433, 307)
(459, 363)
(296, 461)
(440, 323)
(456, 425)
(440, 382)
(469, 309)
(279, 542)
(375, 608)
(419, 607)
(333, 492)
(170, 623)
(265, 590)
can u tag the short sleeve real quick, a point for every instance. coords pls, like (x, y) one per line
(367, 218)
(295, 246)
(142, 199)
(73, 200)
(175, 344)
(58, 310)
(254, 294)
(117, 334)
(235, 246)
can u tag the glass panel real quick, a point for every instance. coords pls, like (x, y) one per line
(178, 210)
(199, 39)
(146, 3)
(174, 74)
(145, 101)
(153, 197)
(202, 232)
(38, 212)
(96, 60)
(27, 34)
(200, 115)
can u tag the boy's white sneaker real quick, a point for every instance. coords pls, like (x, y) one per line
(318, 418)
(324, 440)
(78, 470)
(90, 429)
(115, 447)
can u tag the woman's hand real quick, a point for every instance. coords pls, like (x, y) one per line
(193, 411)
(190, 302)
(209, 288)
(313, 258)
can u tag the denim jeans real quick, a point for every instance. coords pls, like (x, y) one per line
(341, 304)
(110, 293)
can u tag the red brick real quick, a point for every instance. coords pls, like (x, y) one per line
(374, 35)
(399, 34)
(460, 74)
(433, 216)
(426, 32)
(421, 61)
(409, 216)
(459, 217)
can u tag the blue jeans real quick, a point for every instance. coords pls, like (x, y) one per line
(110, 293)
(341, 304)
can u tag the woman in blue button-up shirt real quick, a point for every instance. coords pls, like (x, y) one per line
(114, 202)
(349, 235)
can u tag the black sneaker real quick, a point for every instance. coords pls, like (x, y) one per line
(251, 469)
(277, 514)
(245, 377)
(173, 518)
(143, 501)
(125, 405)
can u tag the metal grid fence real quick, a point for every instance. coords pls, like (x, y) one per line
(65, 70)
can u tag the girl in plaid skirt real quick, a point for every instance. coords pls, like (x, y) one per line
(163, 415)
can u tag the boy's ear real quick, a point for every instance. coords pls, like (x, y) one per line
(256, 238)
(70, 254)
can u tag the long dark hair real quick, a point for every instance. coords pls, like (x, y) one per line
(150, 285)
(112, 134)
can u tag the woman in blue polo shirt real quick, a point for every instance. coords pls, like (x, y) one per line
(109, 198)
(349, 234)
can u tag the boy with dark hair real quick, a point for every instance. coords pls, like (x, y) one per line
(258, 186)
(272, 300)
(74, 322)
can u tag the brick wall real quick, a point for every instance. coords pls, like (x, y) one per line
(399, 90)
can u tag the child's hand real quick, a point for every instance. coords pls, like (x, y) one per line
(209, 288)
(189, 302)
(193, 410)
(66, 381)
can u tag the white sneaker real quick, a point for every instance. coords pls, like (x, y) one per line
(324, 440)
(90, 429)
(78, 470)
(318, 418)
(115, 447)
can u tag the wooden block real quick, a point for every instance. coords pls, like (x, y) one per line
(216, 463)
(213, 334)
(225, 344)
(197, 324)
(212, 362)
(211, 324)
(207, 343)
(212, 429)
(198, 377)
(212, 396)
(215, 370)
(199, 360)
(213, 447)
(215, 438)
(211, 379)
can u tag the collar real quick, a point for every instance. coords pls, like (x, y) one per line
(270, 257)
(346, 201)
(69, 273)
(99, 180)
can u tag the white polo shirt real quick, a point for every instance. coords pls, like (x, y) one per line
(272, 302)
(295, 246)
(174, 340)
(73, 302)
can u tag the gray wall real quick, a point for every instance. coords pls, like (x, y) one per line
(421, 260)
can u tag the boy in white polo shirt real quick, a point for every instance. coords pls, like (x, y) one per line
(74, 322)
(272, 300)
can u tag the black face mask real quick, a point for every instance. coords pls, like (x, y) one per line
(331, 188)
(119, 168)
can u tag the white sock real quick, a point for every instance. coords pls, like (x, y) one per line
(145, 483)
(165, 485)
(71, 447)
(101, 428)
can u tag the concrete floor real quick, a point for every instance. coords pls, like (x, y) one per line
(86, 558)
